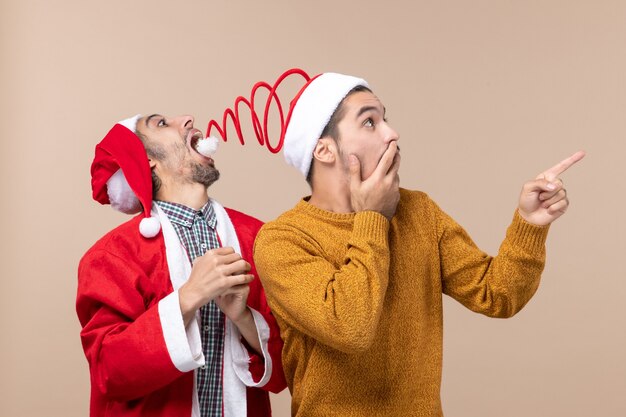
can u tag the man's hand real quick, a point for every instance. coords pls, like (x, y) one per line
(233, 303)
(543, 200)
(219, 272)
(380, 192)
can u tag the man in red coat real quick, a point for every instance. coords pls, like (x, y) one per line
(174, 322)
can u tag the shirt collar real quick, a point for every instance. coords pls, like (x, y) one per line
(185, 216)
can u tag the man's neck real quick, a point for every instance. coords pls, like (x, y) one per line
(331, 193)
(190, 195)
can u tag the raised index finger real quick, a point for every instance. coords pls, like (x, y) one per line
(386, 160)
(554, 172)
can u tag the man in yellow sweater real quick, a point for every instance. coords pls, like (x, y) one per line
(355, 273)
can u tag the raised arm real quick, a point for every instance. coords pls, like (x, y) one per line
(123, 330)
(500, 286)
(339, 306)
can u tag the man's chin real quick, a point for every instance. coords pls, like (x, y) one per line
(206, 175)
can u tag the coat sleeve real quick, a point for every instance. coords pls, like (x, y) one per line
(258, 370)
(337, 306)
(130, 333)
(497, 286)
(273, 378)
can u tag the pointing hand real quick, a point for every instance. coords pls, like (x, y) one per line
(544, 199)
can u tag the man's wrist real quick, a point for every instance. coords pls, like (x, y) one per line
(187, 305)
(243, 318)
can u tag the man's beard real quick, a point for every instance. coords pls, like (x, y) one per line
(204, 174)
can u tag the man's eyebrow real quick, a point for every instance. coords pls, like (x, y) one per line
(150, 117)
(365, 109)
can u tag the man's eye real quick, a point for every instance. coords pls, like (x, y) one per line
(368, 122)
(161, 123)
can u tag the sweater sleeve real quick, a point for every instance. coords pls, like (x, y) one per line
(497, 286)
(122, 333)
(339, 307)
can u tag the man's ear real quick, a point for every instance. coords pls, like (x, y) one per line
(325, 150)
(152, 163)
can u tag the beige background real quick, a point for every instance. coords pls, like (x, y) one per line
(486, 94)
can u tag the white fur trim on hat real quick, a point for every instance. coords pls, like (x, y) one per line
(311, 114)
(121, 196)
(130, 123)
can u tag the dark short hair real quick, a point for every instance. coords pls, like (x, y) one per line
(153, 152)
(332, 127)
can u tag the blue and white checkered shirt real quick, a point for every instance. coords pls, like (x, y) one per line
(196, 231)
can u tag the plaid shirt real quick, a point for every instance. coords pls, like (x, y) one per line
(196, 231)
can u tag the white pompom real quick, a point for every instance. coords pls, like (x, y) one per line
(207, 146)
(149, 226)
(121, 196)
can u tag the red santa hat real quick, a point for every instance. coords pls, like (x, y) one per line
(309, 112)
(121, 175)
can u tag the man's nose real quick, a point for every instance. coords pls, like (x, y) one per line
(391, 135)
(185, 121)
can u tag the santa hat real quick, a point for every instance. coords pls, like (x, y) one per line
(121, 175)
(309, 113)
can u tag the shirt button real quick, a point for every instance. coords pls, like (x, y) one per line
(207, 328)
(203, 367)
(203, 245)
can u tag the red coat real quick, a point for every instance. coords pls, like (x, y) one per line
(141, 357)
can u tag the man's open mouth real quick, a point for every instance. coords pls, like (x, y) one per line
(194, 140)
(204, 147)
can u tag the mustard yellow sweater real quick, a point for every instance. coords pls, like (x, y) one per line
(358, 300)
